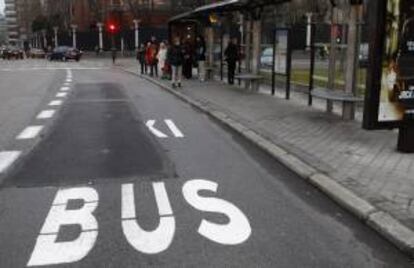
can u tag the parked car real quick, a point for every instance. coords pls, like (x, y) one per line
(65, 53)
(266, 58)
(36, 53)
(12, 52)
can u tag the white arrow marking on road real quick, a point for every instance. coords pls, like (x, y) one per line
(7, 158)
(174, 129)
(150, 124)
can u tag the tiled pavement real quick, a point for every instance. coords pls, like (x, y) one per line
(365, 162)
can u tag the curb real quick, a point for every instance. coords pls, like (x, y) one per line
(380, 221)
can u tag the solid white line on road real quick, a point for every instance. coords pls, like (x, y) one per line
(64, 88)
(156, 132)
(56, 103)
(61, 94)
(46, 114)
(7, 158)
(30, 132)
(174, 129)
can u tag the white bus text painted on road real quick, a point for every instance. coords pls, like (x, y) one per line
(49, 250)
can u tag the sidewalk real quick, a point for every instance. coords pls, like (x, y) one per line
(364, 162)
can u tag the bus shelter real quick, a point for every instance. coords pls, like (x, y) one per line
(204, 19)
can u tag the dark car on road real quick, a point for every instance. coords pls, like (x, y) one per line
(65, 53)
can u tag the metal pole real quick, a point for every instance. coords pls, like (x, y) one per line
(312, 65)
(288, 63)
(136, 27)
(274, 63)
(74, 27)
(55, 29)
(100, 26)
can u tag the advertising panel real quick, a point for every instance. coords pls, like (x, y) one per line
(397, 83)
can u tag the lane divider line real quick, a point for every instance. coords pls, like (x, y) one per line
(55, 103)
(30, 132)
(46, 114)
(64, 88)
(61, 95)
(7, 158)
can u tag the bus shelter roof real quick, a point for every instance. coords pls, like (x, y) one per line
(224, 7)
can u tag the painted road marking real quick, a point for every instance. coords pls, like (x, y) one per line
(174, 129)
(69, 80)
(61, 95)
(7, 158)
(170, 124)
(149, 242)
(150, 124)
(56, 103)
(66, 84)
(49, 249)
(64, 88)
(46, 114)
(30, 132)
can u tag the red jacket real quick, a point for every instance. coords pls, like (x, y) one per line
(151, 54)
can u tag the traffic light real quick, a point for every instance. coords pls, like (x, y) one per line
(112, 28)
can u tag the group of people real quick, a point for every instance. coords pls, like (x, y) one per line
(173, 61)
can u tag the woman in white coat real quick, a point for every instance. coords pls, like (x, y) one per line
(162, 57)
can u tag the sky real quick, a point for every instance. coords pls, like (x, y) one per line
(1, 6)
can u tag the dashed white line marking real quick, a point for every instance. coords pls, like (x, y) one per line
(61, 94)
(66, 84)
(64, 88)
(174, 129)
(69, 80)
(55, 103)
(7, 158)
(30, 132)
(46, 114)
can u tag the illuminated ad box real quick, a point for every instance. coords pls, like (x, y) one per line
(390, 77)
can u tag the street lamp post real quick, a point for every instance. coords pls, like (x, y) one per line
(44, 38)
(100, 28)
(136, 26)
(55, 29)
(74, 28)
(308, 30)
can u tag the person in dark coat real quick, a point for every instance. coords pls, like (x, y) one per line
(232, 56)
(175, 58)
(188, 61)
(141, 58)
(114, 52)
(201, 58)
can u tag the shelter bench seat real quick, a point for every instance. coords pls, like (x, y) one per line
(252, 80)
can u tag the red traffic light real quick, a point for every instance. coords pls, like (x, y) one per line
(112, 28)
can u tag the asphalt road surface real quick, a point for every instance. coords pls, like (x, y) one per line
(126, 175)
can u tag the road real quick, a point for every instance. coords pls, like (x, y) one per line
(123, 174)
